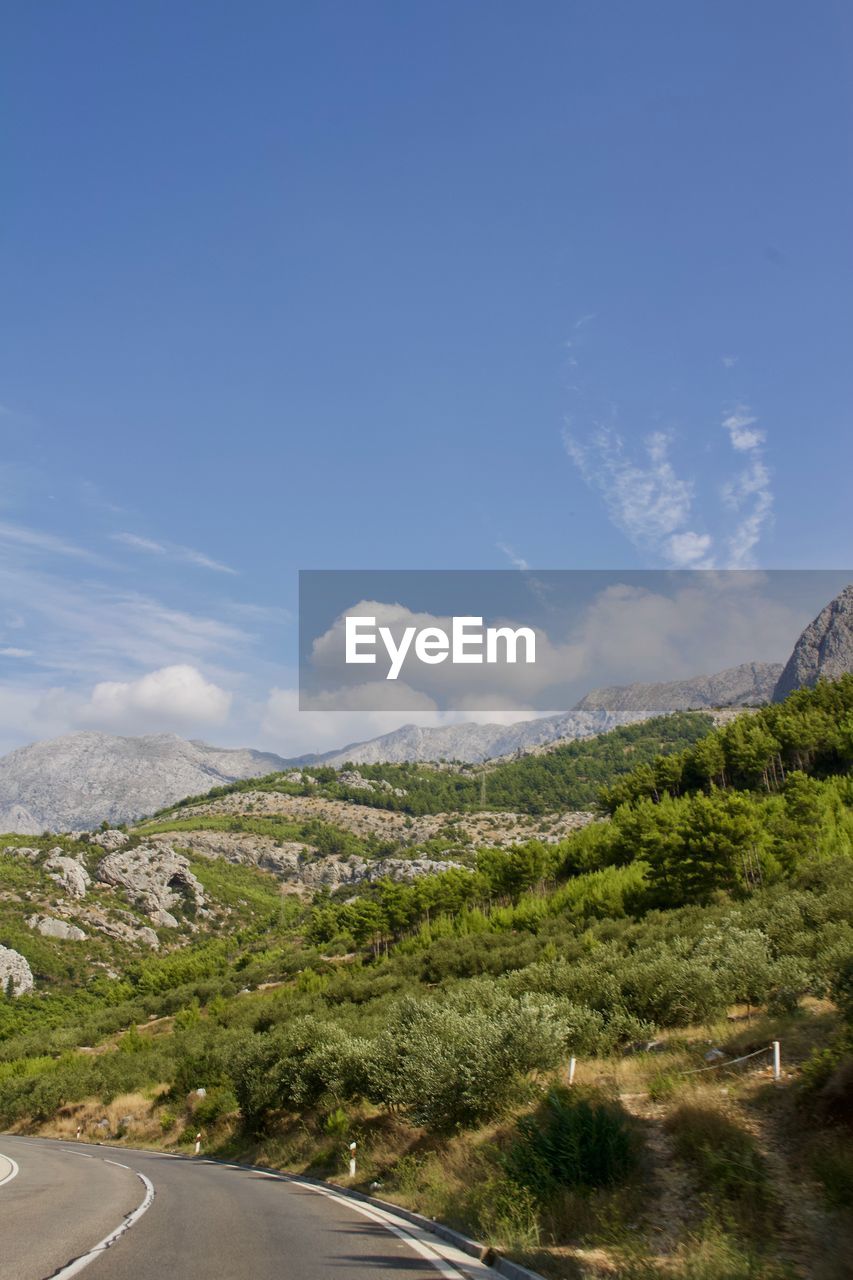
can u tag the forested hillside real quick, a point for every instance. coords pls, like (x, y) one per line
(564, 777)
(708, 912)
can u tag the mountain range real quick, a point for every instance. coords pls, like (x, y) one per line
(81, 779)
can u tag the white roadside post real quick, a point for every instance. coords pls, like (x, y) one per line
(198, 1144)
(777, 1060)
(352, 1159)
(572, 1065)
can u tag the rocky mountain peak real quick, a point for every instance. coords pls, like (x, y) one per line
(824, 651)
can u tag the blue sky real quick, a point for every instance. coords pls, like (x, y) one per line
(394, 285)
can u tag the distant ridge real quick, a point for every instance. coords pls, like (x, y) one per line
(81, 779)
(598, 711)
(78, 780)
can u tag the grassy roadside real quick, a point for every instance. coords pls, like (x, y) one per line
(728, 1181)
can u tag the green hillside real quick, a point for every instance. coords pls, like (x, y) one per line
(711, 910)
(564, 777)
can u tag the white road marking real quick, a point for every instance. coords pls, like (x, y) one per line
(410, 1234)
(13, 1170)
(75, 1267)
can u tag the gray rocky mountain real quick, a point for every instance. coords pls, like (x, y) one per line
(81, 779)
(599, 711)
(823, 651)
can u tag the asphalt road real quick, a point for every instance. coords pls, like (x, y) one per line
(192, 1220)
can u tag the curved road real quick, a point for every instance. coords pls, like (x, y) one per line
(139, 1215)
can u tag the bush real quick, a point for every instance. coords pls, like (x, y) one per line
(575, 1141)
(460, 1062)
(218, 1103)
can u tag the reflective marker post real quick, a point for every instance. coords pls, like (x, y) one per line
(777, 1061)
(352, 1159)
(572, 1065)
(198, 1144)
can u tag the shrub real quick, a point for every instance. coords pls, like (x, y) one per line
(218, 1103)
(461, 1061)
(575, 1141)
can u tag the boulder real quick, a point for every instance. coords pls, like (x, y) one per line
(16, 977)
(68, 873)
(110, 841)
(50, 927)
(125, 929)
(156, 878)
(22, 851)
(406, 869)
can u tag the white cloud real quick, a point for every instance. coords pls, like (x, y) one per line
(16, 653)
(176, 695)
(205, 562)
(653, 505)
(647, 500)
(729, 362)
(690, 550)
(739, 425)
(748, 494)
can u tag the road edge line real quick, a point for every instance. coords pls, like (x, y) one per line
(76, 1265)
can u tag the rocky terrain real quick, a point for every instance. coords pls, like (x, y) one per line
(477, 828)
(823, 651)
(107, 895)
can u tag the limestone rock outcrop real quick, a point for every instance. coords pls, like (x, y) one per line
(50, 927)
(68, 873)
(16, 976)
(154, 877)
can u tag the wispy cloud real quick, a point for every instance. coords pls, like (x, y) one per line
(729, 362)
(749, 493)
(140, 544)
(185, 555)
(647, 500)
(205, 562)
(37, 540)
(15, 653)
(654, 506)
(740, 424)
(517, 561)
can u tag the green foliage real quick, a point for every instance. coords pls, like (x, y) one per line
(574, 1141)
(460, 1061)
